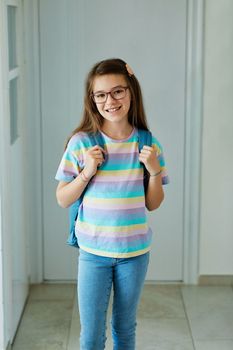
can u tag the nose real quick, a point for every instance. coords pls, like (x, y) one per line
(109, 96)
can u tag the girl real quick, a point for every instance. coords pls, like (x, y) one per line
(112, 229)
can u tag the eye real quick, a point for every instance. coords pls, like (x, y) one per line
(118, 92)
(100, 95)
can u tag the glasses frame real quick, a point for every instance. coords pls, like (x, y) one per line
(110, 93)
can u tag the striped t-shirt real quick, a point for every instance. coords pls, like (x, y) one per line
(112, 218)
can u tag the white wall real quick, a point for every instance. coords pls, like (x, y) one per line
(216, 229)
(69, 46)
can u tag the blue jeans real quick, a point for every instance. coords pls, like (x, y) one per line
(96, 276)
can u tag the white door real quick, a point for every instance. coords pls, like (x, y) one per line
(14, 242)
(151, 36)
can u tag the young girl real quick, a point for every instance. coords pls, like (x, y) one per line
(112, 230)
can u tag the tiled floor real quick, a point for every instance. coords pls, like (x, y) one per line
(169, 318)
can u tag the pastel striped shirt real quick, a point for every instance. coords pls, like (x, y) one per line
(112, 218)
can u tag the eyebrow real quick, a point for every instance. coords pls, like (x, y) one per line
(109, 90)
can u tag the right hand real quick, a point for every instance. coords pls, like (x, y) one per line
(92, 159)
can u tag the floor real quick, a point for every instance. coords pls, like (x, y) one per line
(170, 317)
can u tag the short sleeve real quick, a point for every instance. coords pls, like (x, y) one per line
(69, 167)
(159, 151)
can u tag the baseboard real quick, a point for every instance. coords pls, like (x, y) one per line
(160, 282)
(9, 347)
(215, 280)
(220, 280)
(45, 281)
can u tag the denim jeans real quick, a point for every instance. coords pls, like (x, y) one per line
(96, 276)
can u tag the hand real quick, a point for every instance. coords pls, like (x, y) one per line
(92, 159)
(149, 158)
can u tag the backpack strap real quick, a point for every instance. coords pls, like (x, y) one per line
(144, 139)
(97, 139)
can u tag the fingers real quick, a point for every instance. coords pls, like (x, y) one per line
(93, 158)
(96, 153)
(97, 147)
(147, 155)
(96, 150)
(147, 150)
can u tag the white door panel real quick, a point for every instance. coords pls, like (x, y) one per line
(13, 182)
(18, 231)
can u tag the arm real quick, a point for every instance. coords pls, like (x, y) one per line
(68, 192)
(154, 195)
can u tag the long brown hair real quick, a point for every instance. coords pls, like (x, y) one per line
(92, 120)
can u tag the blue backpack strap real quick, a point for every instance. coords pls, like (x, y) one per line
(144, 139)
(95, 139)
(99, 140)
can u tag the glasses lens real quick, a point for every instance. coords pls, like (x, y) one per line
(100, 97)
(118, 93)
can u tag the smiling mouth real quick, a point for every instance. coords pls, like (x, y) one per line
(113, 109)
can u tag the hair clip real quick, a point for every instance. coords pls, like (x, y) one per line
(129, 70)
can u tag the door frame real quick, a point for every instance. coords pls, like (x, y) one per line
(193, 135)
(32, 55)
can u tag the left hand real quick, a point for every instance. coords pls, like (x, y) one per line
(149, 158)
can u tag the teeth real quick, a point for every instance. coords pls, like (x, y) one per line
(113, 109)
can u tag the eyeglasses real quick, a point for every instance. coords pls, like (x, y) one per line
(116, 93)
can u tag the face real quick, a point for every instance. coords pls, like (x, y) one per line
(113, 110)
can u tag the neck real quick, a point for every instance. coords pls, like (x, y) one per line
(118, 132)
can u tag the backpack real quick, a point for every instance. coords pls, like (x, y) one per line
(144, 138)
